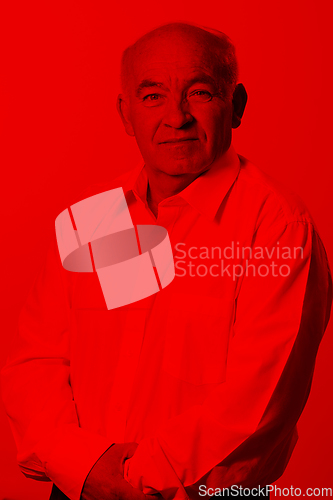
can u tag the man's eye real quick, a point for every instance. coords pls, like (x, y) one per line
(152, 100)
(201, 96)
(151, 97)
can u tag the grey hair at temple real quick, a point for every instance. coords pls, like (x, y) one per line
(215, 41)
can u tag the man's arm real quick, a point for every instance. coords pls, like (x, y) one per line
(279, 322)
(39, 399)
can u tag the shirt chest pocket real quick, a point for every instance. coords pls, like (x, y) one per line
(196, 341)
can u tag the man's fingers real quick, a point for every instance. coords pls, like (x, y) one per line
(130, 449)
(123, 451)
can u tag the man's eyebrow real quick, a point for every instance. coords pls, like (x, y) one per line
(148, 84)
(202, 78)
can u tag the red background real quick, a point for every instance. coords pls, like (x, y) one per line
(60, 132)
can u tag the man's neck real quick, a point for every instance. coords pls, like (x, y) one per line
(162, 186)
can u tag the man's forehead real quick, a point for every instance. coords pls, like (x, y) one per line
(175, 51)
(160, 58)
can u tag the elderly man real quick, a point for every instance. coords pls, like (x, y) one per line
(198, 387)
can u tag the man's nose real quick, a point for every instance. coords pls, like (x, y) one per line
(177, 114)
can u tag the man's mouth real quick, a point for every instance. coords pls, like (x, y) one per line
(179, 140)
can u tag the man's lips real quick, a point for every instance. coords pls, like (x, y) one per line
(176, 141)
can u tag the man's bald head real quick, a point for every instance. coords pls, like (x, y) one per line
(218, 48)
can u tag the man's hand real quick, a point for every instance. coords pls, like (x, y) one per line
(106, 480)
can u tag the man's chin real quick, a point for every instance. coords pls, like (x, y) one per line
(181, 167)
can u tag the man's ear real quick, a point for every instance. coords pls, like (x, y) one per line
(239, 102)
(123, 110)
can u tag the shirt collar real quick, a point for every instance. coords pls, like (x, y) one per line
(205, 193)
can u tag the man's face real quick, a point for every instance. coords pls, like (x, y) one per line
(177, 110)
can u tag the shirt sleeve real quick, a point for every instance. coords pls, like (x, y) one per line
(279, 322)
(37, 392)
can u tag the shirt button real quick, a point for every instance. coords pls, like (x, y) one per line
(119, 407)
